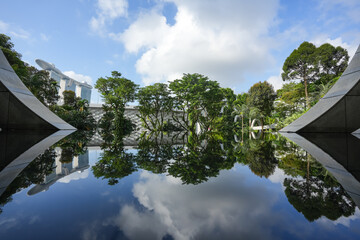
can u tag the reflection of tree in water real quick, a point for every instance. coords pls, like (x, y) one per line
(311, 189)
(194, 162)
(258, 155)
(154, 153)
(115, 163)
(202, 157)
(34, 173)
(74, 145)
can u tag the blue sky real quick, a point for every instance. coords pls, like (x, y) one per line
(234, 42)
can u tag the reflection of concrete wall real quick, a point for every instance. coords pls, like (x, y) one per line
(338, 153)
(19, 150)
(20, 109)
(338, 110)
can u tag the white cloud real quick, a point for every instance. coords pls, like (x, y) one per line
(345, 221)
(146, 32)
(323, 38)
(75, 176)
(44, 37)
(276, 81)
(4, 27)
(224, 40)
(205, 211)
(349, 8)
(78, 77)
(13, 30)
(278, 176)
(107, 11)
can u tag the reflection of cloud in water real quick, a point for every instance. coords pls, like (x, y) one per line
(278, 176)
(230, 206)
(341, 220)
(7, 223)
(75, 176)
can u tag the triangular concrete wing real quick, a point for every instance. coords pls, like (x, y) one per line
(338, 110)
(20, 109)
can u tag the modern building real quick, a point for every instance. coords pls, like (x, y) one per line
(81, 89)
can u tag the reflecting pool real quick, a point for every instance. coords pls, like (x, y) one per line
(179, 186)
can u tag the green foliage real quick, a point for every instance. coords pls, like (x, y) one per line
(333, 61)
(69, 98)
(42, 86)
(319, 65)
(199, 98)
(75, 111)
(117, 91)
(13, 57)
(155, 103)
(301, 64)
(114, 164)
(259, 156)
(261, 98)
(283, 123)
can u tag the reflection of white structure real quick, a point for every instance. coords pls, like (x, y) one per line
(78, 164)
(81, 89)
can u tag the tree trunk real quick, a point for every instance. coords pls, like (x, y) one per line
(306, 95)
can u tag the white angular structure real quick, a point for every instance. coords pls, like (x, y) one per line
(81, 89)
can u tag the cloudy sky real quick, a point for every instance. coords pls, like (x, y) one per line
(234, 42)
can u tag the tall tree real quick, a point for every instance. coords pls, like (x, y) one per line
(13, 57)
(261, 96)
(301, 64)
(332, 61)
(155, 103)
(42, 86)
(200, 98)
(117, 91)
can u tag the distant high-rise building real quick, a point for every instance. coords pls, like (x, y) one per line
(81, 89)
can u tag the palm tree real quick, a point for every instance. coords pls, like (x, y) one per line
(240, 110)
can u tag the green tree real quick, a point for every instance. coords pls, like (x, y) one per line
(261, 96)
(301, 65)
(75, 111)
(69, 98)
(315, 65)
(259, 156)
(117, 91)
(115, 163)
(155, 103)
(332, 61)
(13, 57)
(42, 86)
(199, 98)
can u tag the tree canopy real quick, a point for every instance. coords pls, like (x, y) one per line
(310, 64)
(262, 95)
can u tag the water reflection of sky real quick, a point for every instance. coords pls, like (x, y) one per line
(236, 204)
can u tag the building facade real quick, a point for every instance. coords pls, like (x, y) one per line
(65, 83)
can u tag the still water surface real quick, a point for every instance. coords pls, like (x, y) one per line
(169, 187)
